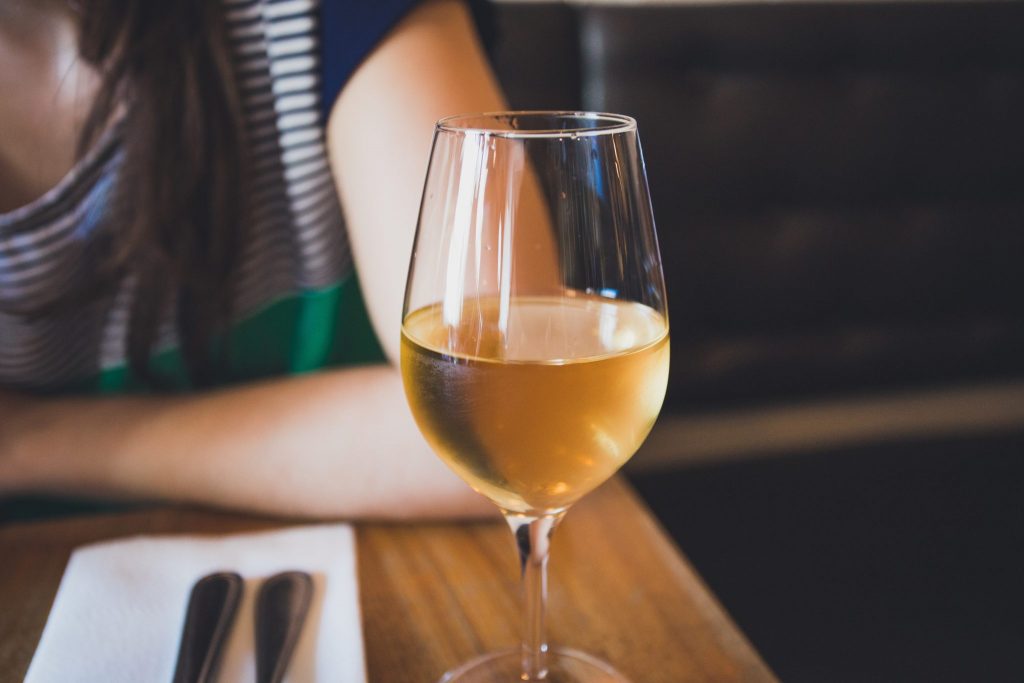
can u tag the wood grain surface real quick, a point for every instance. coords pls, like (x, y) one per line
(434, 595)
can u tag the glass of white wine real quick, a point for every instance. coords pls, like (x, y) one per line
(535, 346)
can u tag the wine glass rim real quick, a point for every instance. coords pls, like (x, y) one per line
(604, 124)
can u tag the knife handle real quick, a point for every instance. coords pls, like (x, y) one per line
(211, 609)
(281, 608)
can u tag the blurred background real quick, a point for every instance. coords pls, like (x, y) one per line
(839, 192)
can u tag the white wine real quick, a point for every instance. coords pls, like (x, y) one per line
(537, 402)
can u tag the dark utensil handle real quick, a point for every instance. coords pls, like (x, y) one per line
(281, 609)
(211, 609)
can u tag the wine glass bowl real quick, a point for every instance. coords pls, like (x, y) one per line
(532, 422)
(534, 345)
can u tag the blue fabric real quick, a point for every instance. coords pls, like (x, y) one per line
(349, 30)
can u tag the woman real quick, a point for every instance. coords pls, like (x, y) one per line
(195, 239)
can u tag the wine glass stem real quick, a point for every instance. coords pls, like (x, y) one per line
(533, 536)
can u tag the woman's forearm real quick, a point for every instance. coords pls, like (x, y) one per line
(333, 444)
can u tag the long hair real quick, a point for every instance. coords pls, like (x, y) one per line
(167, 73)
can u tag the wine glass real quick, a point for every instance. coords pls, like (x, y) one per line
(535, 332)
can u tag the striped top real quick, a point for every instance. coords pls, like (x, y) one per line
(297, 305)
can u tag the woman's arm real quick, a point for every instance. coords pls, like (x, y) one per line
(379, 136)
(333, 444)
(339, 443)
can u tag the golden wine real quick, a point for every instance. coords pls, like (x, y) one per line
(537, 402)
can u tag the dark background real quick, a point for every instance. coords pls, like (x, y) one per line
(839, 192)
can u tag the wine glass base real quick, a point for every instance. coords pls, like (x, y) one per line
(565, 665)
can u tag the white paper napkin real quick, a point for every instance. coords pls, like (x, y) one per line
(120, 607)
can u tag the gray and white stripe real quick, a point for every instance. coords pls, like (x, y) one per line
(297, 239)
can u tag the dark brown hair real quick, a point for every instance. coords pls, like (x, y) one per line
(179, 222)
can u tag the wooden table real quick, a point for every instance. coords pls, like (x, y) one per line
(434, 595)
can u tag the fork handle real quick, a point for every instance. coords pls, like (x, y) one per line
(281, 609)
(211, 609)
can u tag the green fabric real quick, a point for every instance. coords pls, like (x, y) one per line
(300, 333)
(32, 508)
